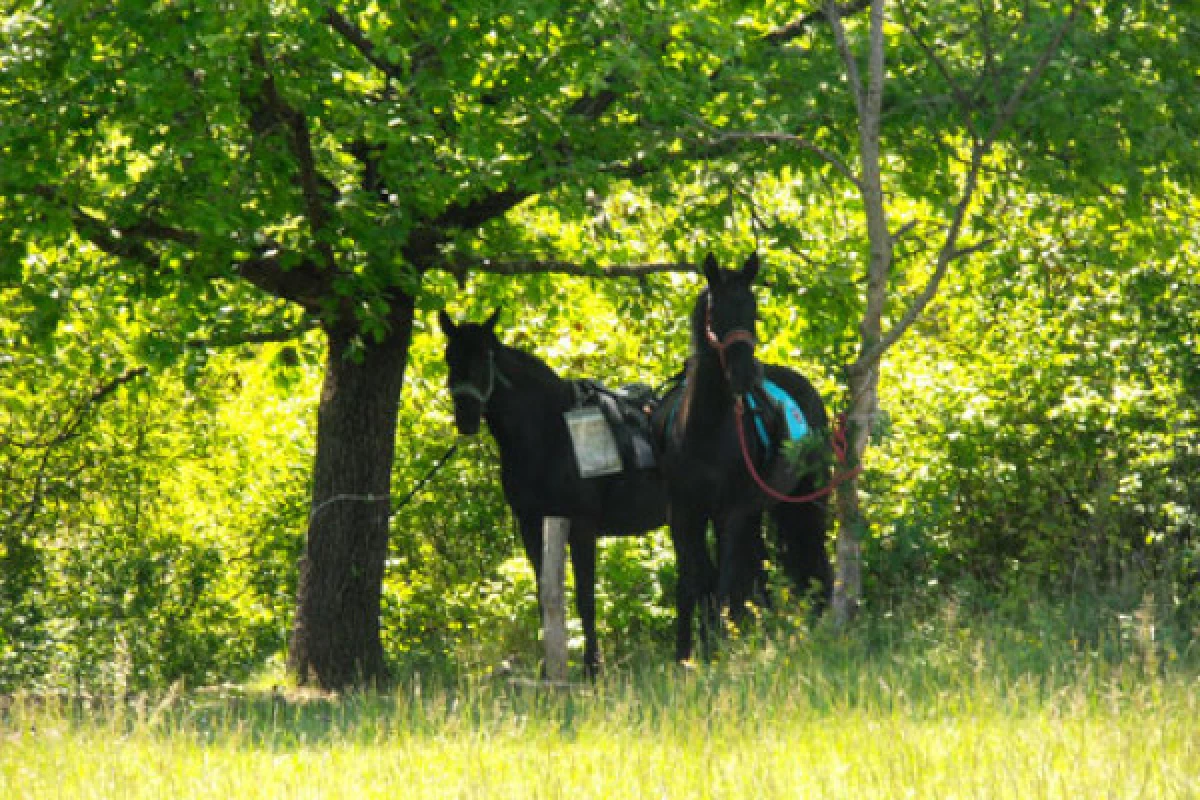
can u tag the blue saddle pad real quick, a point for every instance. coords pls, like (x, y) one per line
(797, 423)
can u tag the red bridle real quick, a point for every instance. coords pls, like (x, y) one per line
(722, 344)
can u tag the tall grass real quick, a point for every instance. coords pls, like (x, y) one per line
(900, 708)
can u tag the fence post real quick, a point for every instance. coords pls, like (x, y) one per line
(554, 614)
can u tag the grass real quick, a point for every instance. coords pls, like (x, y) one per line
(937, 708)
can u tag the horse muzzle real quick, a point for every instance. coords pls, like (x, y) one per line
(469, 403)
(744, 376)
(736, 351)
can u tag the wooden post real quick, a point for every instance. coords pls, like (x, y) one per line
(554, 614)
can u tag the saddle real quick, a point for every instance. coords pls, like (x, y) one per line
(627, 411)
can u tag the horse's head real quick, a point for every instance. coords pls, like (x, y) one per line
(471, 361)
(730, 315)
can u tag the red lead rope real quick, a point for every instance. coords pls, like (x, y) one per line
(839, 453)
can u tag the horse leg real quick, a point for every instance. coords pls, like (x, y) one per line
(583, 561)
(740, 566)
(748, 579)
(531, 538)
(800, 528)
(694, 568)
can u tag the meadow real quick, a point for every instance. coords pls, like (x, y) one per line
(935, 707)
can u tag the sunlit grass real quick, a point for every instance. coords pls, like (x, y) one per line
(930, 710)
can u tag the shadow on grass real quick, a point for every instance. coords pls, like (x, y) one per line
(952, 658)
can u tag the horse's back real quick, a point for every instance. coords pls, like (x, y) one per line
(802, 391)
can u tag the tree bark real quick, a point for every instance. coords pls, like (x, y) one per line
(852, 524)
(336, 635)
(863, 375)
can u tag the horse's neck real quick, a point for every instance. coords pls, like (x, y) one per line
(711, 400)
(522, 402)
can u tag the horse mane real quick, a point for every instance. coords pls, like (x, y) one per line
(699, 325)
(699, 322)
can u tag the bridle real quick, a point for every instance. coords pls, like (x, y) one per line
(468, 389)
(721, 344)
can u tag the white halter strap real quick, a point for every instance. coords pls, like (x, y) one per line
(467, 389)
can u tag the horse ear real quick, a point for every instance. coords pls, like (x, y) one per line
(750, 268)
(447, 325)
(490, 322)
(712, 271)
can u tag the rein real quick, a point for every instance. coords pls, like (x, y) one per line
(378, 498)
(839, 434)
(839, 453)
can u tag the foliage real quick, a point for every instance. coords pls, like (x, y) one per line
(135, 554)
(1064, 453)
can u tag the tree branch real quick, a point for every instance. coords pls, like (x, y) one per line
(591, 106)
(421, 248)
(305, 283)
(833, 13)
(359, 41)
(425, 53)
(875, 69)
(960, 96)
(109, 239)
(79, 413)
(474, 213)
(316, 191)
(537, 266)
(131, 242)
(796, 141)
(800, 26)
(946, 256)
(72, 430)
(950, 252)
(1032, 77)
(256, 337)
(963, 252)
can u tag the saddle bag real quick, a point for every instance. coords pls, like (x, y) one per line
(610, 428)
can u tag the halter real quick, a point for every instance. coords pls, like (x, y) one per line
(466, 389)
(731, 338)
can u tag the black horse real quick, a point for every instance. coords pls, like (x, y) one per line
(523, 401)
(705, 460)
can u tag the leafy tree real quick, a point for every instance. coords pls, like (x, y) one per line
(263, 168)
(229, 173)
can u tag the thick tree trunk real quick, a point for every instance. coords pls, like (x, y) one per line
(335, 639)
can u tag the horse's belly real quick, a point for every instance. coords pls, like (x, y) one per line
(623, 504)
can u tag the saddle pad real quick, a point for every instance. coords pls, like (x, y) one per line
(797, 424)
(784, 403)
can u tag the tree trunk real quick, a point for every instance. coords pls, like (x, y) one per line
(335, 638)
(852, 524)
(863, 375)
